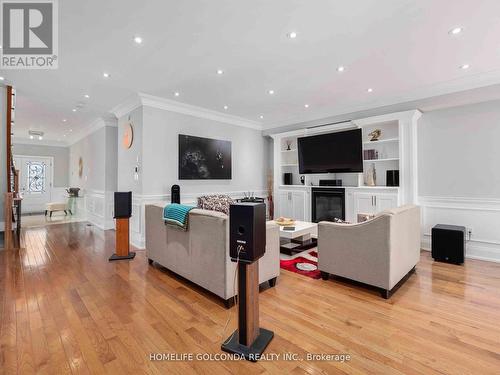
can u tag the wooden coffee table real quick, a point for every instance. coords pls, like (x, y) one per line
(303, 237)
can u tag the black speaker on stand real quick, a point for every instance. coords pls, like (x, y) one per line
(175, 194)
(123, 213)
(247, 243)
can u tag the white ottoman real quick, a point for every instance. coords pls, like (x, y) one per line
(57, 206)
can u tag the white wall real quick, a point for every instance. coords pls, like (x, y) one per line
(459, 174)
(92, 151)
(98, 151)
(127, 158)
(60, 155)
(156, 134)
(160, 154)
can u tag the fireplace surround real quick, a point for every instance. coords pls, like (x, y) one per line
(327, 204)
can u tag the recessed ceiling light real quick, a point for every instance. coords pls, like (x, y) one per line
(40, 137)
(138, 40)
(106, 75)
(369, 90)
(340, 69)
(261, 117)
(74, 109)
(31, 137)
(306, 105)
(220, 71)
(2, 78)
(455, 31)
(70, 130)
(64, 135)
(271, 92)
(226, 107)
(465, 66)
(292, 35)
(86, 96)
(64, 120)
(176, 93)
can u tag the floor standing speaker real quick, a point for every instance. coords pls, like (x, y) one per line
(448, 243)
(247, 243)
(123, 213)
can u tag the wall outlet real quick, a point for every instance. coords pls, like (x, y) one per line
(469, 233)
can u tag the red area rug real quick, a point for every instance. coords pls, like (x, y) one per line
(294, 265)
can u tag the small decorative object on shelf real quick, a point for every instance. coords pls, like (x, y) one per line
(302, 179)
(371, 176)
(375, 135)
(288, 145)
(370, 154)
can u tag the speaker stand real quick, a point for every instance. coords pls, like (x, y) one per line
(122, 241)
(248, 340)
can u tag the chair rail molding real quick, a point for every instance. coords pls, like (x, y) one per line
(479, 215)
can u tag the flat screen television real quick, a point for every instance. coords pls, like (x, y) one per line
(339, 152)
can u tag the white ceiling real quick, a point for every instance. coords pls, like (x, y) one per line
(400, 48)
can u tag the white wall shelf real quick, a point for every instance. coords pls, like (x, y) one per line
(378, 160)
(396, 151)
(374, 143)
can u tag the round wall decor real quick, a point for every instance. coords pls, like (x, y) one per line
(128, 136)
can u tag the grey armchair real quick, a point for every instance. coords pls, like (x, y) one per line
(381, 252)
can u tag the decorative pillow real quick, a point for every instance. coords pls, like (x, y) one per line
(215, 202)
(340, 221)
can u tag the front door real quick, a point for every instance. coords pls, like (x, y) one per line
(35, 181)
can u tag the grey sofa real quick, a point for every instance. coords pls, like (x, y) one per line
(381, 252)
(201, 254)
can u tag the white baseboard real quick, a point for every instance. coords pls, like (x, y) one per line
(480, 215)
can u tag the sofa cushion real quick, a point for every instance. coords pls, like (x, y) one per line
(215, 202)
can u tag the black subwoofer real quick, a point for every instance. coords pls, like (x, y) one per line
(247, 233)
(123, 205)
(448, 243)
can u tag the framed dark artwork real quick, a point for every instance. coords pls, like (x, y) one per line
(204, 158)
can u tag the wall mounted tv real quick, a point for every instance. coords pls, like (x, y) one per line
(338, 152)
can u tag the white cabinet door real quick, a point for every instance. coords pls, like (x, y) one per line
(285, 203)
(363, 203)
(298, 203)
(386, 201)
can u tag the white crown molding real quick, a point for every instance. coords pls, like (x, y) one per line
(411, 115)
(192, 110)
(127, 106)
(93, 127)
(36, 142)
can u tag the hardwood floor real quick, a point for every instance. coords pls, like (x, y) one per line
(65, 309)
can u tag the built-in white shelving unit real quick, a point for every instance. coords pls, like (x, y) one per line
(394, 150)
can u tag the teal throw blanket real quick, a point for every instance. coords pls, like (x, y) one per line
(177, 215)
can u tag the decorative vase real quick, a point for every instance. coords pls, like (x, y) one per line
(371, 176)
